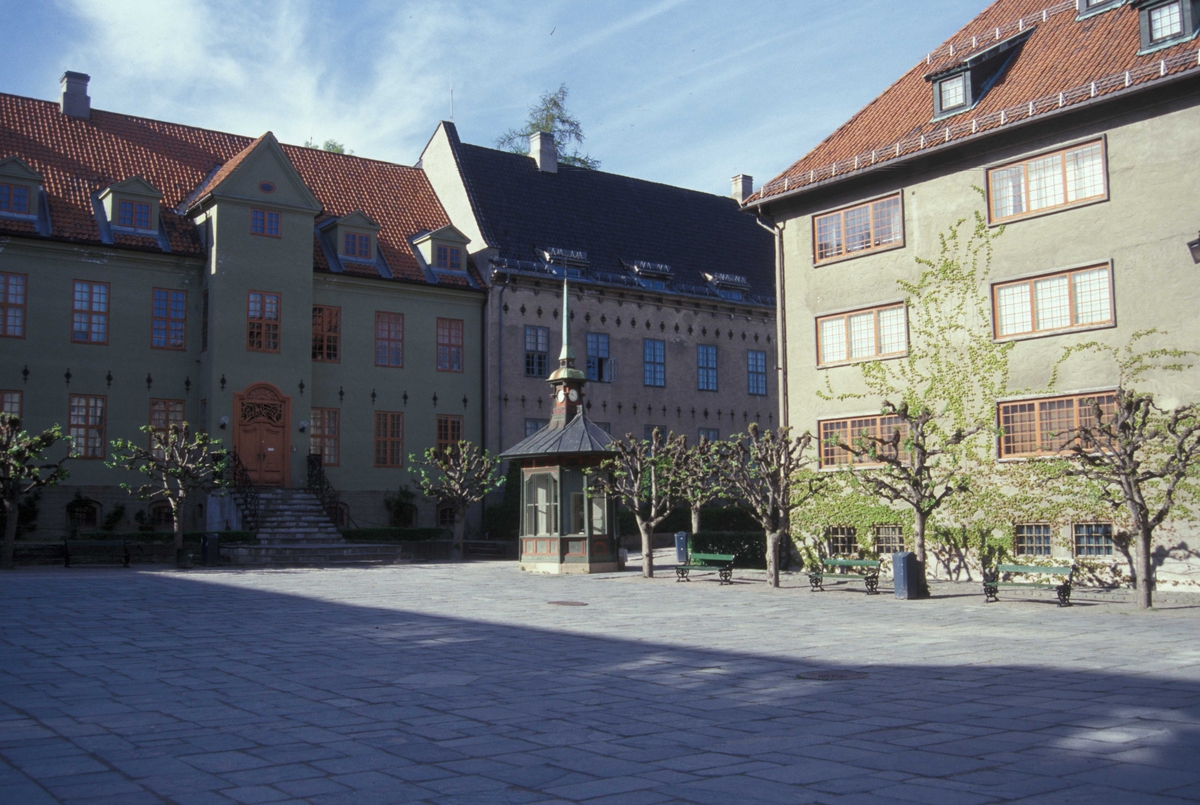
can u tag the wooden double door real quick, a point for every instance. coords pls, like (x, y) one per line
(261, 436)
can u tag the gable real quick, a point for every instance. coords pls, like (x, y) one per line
(264, 175)
(14, 168)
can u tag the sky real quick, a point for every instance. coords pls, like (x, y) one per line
(686, 92)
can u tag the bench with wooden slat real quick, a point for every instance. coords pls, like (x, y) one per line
(116, 550)
(720, 562)
(869, 573)
(994, 580)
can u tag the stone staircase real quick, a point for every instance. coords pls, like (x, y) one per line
(294, 530)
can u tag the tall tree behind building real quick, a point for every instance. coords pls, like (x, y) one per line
(550, 115)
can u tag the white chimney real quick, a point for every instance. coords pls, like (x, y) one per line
(541, 148)
(75, 101)
(743, 187)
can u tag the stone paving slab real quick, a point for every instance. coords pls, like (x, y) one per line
(455, 684)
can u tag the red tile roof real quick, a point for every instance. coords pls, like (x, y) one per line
(79, 157)
(1064, 61)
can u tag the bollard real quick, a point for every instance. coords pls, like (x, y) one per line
(907, 574)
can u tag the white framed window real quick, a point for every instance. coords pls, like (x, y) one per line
(1165, 22)
(953, 92)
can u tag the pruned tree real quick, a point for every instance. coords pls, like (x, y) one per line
(23, 469)
(915, 464)
(772, 477)
(642, 475)
(698, 477)
(178, 464)
(458, 476)
(550, 115)
(938, 401)
(1143, 457)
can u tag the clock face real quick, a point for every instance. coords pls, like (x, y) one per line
(574, 395)
(562, 395)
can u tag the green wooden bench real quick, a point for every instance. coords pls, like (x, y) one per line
(112, 549)
(721, 562)
(994, 580)
(869, 574)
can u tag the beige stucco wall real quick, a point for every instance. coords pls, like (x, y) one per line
(1141, 229)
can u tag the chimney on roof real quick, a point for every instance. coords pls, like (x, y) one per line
(743, 187)
(541, 148)
(75, 101)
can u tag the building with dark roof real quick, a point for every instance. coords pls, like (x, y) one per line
(675, 292)
(293, 302)
(1080, 122)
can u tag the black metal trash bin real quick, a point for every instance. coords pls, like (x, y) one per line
(906, 572)
(681, 540)
(210, 550)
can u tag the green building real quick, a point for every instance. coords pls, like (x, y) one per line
(291, 301)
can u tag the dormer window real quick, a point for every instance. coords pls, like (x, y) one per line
(655, 276)
(959, 86)
(574, 263)
(449, 258)
(729, 286)
(357, 245)
(953, 92)
(14, 199)
(133, 214)
(1166, 23)
(1090, 7)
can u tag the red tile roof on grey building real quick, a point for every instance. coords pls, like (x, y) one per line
(80, 157)
(1067, 60)
(615, 221)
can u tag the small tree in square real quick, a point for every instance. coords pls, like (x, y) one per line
(24, 469)
(698, 477)
(459, 476)
(642, 475)
(177, 464)
(772, 476)
(1143, 457)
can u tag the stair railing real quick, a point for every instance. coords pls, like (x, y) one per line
(319, 485)
(246, 492)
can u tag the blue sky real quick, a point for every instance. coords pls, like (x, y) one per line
(687, 93)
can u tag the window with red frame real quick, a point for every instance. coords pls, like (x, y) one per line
(164, 414)
(11, 403)
(135, 214)
(449, 345)
(12, 305)
(449, 257)
(389, 339)
(89, 322)
(449, 431)
(263, 222)
(324, 434)
(168, 319)
(357, 245)
(389, 439)
(326, 334)
(262, 322)
(1049, 426)
(86, 423)
(14, 198)
(860, 433)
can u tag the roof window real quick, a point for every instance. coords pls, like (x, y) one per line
(962, 85)
(574, 263)
(131, 206)
(1168, 23)
(19, 189)
(729, 286)
(1089, 7)
(655, 276)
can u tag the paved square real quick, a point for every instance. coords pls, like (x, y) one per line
(462, 684)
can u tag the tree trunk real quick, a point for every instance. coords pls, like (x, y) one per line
(695, 518)
(919, 521)
(177, 527)
(773, 538)
(1145, 571)
(460, 529)
(647, 532)
(10, 532)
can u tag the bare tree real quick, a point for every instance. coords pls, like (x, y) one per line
(21, 472)
(458, 476)
(698, 477)
(178, 464)
(919, 465)
(642, 475)
(550, 115)
(770, 473)
(1144, 458)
